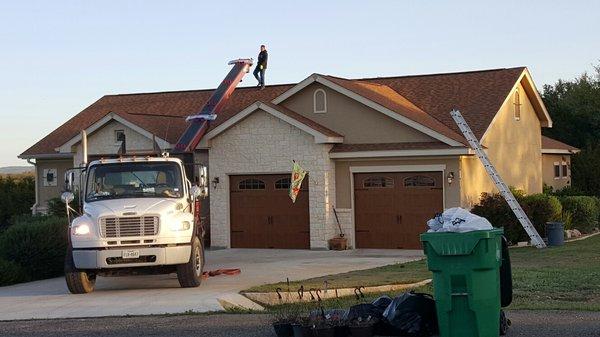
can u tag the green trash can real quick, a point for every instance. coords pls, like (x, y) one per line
(466, 281)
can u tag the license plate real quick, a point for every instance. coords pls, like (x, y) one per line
(130, 254)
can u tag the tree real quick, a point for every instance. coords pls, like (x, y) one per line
(574, 107)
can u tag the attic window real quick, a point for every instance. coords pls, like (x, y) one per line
(517, 105)
(320, 101)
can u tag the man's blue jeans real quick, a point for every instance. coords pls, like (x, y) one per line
(260, 76)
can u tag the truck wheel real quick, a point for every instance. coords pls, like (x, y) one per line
(190, 274)
(78, 281)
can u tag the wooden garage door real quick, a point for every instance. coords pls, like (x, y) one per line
(392, 209)
(263, 215)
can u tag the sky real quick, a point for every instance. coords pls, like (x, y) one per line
(58, 57)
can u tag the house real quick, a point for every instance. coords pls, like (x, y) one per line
(556, 163)
(383, 154)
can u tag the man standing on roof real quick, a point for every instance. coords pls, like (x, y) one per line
(261, 66)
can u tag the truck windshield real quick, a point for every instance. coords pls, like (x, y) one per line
(134, 180)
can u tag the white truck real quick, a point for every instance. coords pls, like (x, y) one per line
(140, 214)
(138, 217)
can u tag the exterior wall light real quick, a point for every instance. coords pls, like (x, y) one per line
(450, 177)
(215, 182)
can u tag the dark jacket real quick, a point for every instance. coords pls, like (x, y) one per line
(263, 56)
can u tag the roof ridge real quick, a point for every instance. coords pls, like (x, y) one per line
(434, 74)
(192, 90)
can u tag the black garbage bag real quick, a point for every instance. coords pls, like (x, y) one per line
(506, 287)
(382, 302)
(412, 315)
(364, 311)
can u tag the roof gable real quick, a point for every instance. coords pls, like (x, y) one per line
(321, 133)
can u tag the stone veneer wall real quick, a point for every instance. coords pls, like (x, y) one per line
(263, 144)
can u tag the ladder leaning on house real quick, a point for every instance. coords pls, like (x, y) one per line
(536, 240)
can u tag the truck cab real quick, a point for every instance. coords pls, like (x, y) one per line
(138, 216)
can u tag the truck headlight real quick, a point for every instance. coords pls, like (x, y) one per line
(181, 226)
(82, 229)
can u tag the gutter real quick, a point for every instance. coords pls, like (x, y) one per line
(34, 207)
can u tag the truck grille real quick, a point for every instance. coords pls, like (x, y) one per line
(117, 227)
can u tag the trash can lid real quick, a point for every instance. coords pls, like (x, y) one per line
(450, 243)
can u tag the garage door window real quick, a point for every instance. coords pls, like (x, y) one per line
(283, 184)
(378, 182)
(251, 184)
(419, 181)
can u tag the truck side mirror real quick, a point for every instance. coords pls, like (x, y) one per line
(198, 191)
(202, 176)
(69, 180)
(67, 197)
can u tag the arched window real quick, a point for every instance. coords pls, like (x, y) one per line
(419, 181)
(517, 105)
(283, 184)
(320, 101)
(378, 182)
(251, 184)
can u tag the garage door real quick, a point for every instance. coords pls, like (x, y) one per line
(263, 215)
(392, 209)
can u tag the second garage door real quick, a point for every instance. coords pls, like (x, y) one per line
(263, 215)
(392, 209)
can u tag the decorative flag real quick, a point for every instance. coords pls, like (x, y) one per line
(298, 174)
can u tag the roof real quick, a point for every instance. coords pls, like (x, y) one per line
(426, 99)
(162, 113)
(549, 144)
(477, 94)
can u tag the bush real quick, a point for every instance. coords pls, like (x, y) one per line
(17, 195)
(37, 244)
(540, 208)
(11, 273)
(585, 212)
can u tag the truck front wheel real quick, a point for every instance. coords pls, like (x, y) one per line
(78, 281)
(190, 274)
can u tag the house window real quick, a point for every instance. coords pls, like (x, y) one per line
(517, 105)
(565, 170)
(556, 170)
(251, 184)
(378, 182)
(320, 101)
(283, 184)
(419, 181)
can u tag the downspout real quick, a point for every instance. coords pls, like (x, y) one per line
(37, 189)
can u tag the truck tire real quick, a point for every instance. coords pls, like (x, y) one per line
(190, 274)
(78, 281)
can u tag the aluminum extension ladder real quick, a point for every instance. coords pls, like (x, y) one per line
(536, 240)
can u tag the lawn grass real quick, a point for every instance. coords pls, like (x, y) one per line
(409, 272)
(561, 278)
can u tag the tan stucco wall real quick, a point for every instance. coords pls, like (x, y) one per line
(514, 148)
(355, 121)
(46, 193)
(548, 161)
(102, 141)
(263, 144)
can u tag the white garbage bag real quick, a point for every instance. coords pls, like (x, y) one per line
(458, 220)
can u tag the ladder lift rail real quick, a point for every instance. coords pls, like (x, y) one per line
(199, 123)
(536, 240)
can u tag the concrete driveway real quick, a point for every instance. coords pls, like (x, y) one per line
(160, 294)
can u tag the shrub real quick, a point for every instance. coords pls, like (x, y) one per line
(584, 210)
(11, 273)
(36, 243)
(540, 208)
(17, 195)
